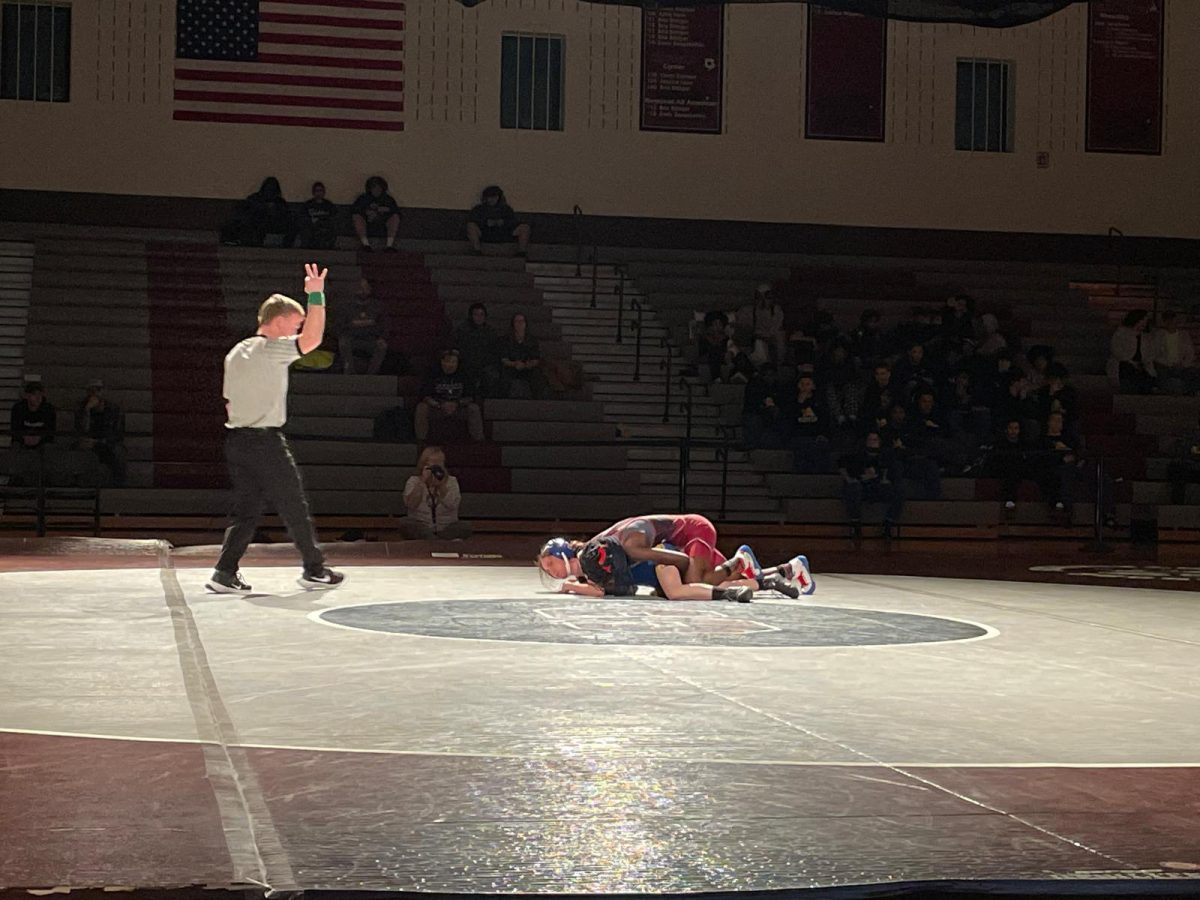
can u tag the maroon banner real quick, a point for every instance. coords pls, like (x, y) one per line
(846, 75)
(1124, 84)
(683, 50)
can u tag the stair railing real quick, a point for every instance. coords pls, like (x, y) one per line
(577, 219)
(620, 291)
(666, 365)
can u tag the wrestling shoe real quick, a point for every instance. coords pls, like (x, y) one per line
(798, 573)
(746, 562)
(221, 583)
(325, 580)
(734, 595)
(780, 584)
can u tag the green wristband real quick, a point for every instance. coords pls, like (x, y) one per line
(316, 298)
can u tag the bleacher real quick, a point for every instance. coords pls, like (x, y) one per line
(152, 315)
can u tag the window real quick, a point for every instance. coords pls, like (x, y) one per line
(531, 82)
(983, 116)
(35, 52)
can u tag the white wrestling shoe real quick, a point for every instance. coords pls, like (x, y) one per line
(747, 562)
(799, 574)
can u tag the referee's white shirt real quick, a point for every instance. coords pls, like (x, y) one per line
(256, 381)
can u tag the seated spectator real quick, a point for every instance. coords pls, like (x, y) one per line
(479, 345)
(720, 358)
(492, 221)
(33, 422)
(968, 415)
(1131, 363)
(919, 328)
(868, 474)
(100, 427)
(520, 361)
(763, 320)
(1009, 462)
(991, 341)
(933, 436)
(807, 426)
(376, 214)
(1056, 466)
(1037, 361)
(912, 372)
(867, 343)
(843, 389)
(902, 439)
(958, 326)
(432, 497)
(1058, 396)
(318, 221)
(361, 331)
(1185, 467)
(1016, 404)
(446, 395)
(263, 212)
(1174, 357)
(879, 396)
(34, 418)
(763, 406)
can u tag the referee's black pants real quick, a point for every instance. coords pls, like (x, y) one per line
(261, 471)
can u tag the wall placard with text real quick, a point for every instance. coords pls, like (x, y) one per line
(1125, 76)
(683, 51)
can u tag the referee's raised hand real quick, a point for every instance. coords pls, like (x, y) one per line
(314, 279)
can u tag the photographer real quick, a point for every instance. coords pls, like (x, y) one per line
(432, 497)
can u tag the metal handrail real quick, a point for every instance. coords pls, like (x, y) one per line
(577, 218)
(666, 365)
(636, 305)
(595, 270)
(620, 291)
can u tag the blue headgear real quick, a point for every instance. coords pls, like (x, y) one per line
(561, 548)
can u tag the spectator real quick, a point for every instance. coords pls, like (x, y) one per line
(100, 426)
(879, 396)
(1131, 364)
(869, 475)
(1016, 403)
(479, 345)
(446, 395)
(34, 418)
(263, 212)
(520, 361)
(432, 497)
(901, 438)
(1058, 396)
(867, 343)
(318, 221)
(720, 358)
(968, 415)
(492, 221)
(376, 214)
(932, 434)
(991, 340)
(1009, 462)
(763, 320)
(1185, 467)
(1057, 465)
(958, 326)
(807, 427)
(912, 371)
(763, 405)
(1037, 361)
(843, 388)
(361, 332)
(1174, 357)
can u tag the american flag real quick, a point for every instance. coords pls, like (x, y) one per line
(316, 63)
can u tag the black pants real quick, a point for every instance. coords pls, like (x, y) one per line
(262, 471)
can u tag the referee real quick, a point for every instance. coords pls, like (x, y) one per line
(261, 467)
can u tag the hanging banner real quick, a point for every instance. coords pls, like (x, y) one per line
(845, 75)
(683, 68)
(1125, 75)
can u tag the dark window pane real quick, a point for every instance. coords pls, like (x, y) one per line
(62, 54)
(1004, 94)
(541, 58)
(525, 81)
(980, 102)
(508, 82)
(9, 34)
(962, 107)
(43, 51)
(554, 85)
(26, 51)
(995, 108)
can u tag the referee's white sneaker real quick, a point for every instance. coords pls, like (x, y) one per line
(221, 583)
(325, 580)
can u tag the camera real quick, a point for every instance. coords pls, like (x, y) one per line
(438, 472)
